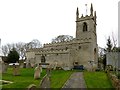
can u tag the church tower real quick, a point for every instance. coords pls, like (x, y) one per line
(86, 34)
(86, 25)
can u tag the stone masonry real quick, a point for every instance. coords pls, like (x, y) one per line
(81, 50)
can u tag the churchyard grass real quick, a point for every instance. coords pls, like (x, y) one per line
(58, 78)
(97, 80)
(25, 79)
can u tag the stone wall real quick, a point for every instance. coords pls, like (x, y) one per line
(115, 81)
(61, 57)
(65, 53)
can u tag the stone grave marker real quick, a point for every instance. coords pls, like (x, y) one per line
(55, 65)
(29, 65)
(32, 87)
(45, 83)
(16, 70)
(37, 72)
(4, 67)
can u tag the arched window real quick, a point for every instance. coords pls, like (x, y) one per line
(79, 47)
(84, 26)
(43, 59)
(66, 48)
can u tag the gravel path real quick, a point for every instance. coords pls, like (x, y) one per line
(76, 80)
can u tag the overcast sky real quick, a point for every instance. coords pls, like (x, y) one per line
(25, 20)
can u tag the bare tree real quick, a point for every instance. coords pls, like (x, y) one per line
(6, 48)
(23, 47)
(62, 38)
(33, 44)
(20, 47)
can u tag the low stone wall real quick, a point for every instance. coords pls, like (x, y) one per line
(115, 81)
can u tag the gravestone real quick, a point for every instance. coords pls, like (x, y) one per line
(37, 72)
(29, 65)
(55, 66)
(16, 70)
(4, 67)
(48, 70)
(32, 87)
(45, 83)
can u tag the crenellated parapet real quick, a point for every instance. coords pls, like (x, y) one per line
(57, 43)
(59, 46)
(45, 52)
(34, 49)
(82, 40)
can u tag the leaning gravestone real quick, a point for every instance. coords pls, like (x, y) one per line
(45, 83)
(16, 70)
(37, 72)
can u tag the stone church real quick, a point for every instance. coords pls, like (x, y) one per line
(82, 50)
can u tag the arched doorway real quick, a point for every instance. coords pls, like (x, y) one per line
(43, 60)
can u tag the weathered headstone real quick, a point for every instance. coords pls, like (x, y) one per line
(45, 83)
(4, 67)
(29, 65)
(16, 70)
(48, 70)
(32, 87)
(37, 72)
(55, 66)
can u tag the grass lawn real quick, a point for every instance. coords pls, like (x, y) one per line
(25, 79)
(97, 80)
(58, 78)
